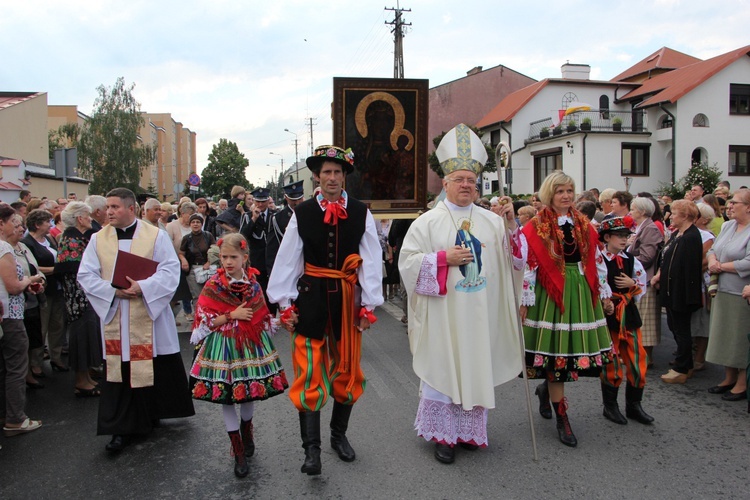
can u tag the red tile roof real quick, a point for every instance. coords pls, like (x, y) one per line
(664, 59)
(9, 162)
(671, 86)
(9, 186)
(512, 104)
(8, 99)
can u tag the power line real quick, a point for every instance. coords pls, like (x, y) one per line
(398, 39)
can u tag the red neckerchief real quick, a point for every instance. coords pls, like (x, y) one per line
(334, 210)
(544, 237)
(617, 258)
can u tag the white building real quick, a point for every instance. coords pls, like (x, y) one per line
(674, 110)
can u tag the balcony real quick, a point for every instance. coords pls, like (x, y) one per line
(590, 121)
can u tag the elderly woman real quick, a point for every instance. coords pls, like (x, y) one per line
(44, 249)
(14, 344)
(83, 323)
(193, 252)
(565, 295)
(730, 317)
(32, 319)
(699, 324)
(177, 230)
(166, 211)
(645, 246)
(679, 281)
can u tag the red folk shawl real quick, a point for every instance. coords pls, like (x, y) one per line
(221, 297)
(545, 238)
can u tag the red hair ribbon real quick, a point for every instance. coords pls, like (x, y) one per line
(364, 313)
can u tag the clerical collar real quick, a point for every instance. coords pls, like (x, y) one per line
(127, 233)
(453, 207)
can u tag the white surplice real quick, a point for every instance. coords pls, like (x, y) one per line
(157, 294)
(464, 343)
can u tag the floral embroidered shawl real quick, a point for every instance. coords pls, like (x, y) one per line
(545, 237)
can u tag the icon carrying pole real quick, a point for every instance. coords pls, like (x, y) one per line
(502, 158)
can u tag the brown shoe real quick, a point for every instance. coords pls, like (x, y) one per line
(673, 377)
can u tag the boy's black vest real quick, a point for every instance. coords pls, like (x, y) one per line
(323, 245)
(632, 316)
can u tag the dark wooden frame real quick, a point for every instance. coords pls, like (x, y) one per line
(391, 179)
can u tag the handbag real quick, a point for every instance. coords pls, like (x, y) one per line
(202, 275)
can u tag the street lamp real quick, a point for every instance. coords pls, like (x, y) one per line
(282, 160)
(296, 155)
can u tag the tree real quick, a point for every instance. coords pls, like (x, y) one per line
(435, 164)
(110, 151)
(225, 169)
(701, 173)
(67, 135)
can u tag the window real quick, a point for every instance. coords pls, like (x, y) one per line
(738, 160)
(700, 120)
(635, 159)
(495, 138)
(544, 163)
(739, 99)
(604, 106)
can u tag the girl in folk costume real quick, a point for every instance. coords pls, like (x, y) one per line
(235, 360)
(627, 279)
(565, 294)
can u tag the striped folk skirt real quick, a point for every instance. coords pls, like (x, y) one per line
(650, 310)
(561, 346)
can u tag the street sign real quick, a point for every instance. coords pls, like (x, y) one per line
(193, 189)
(194, 180)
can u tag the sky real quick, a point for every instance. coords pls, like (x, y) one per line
(246, 70)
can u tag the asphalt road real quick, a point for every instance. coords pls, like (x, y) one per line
(697, 448)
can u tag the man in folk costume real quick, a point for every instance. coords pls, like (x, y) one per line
(331, 254)
(293, 195)
(463, 323)
(145, 377)
(627, 279)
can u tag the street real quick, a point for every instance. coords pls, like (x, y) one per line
(697, 448)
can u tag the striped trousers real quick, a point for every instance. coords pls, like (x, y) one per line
(631, 356)
(315, 365)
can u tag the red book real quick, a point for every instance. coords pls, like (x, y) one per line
(132, 266)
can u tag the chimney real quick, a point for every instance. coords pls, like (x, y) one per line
(576, 71)
(474, 70)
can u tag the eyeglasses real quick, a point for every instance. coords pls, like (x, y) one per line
(732, 202)
(462, 180)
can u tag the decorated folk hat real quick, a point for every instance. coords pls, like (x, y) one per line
(331, 153)
(261, 194)
(624, 225)
(294, 191)
(461, 149)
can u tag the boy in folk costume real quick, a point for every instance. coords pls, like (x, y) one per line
(330, 253)
(235, 360)
(627, 279)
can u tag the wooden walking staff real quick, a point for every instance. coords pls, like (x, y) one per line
(502, 157)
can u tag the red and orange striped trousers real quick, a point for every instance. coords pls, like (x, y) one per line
(631, 356)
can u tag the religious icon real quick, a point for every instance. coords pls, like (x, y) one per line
(472, 281)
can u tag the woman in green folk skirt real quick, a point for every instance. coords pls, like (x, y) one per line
(235, 360)
(565, 296)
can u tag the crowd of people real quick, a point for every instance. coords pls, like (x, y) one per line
(565, 284)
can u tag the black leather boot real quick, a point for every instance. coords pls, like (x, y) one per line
(339, 424)
(309, 424)
(542, 390)
(246, 429)
(611, 408)
(238, 450)
(633, 409)
(564, 432)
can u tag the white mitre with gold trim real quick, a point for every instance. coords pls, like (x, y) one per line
(461, 149)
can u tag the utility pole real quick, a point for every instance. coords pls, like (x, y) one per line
(398, 39)
(312, 142)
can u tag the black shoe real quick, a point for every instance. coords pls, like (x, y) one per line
(720, 389)
(246, 429)
(444, 453)
(564, 431)
(735, 396)
(58, 368)
(611, 408)
(117, 444)
(542, 390)
(633, 409)
(469, 446)
(339, 425)
(309, 423)
(238, 451)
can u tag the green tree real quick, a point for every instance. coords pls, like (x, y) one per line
(435, 164)
(702, 173)
(110, 151)
(67, 135)
(225, 169)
